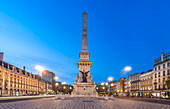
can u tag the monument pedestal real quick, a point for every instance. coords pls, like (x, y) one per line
(84, 90)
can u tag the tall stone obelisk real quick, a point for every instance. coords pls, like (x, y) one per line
(84, 86)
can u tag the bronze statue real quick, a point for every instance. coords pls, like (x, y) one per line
(84, 75)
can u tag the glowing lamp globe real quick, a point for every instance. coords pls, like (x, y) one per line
(110, 79)
(128, 68)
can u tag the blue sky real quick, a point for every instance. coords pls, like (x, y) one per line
(120, 33)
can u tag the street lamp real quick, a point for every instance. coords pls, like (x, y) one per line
(64, 87)
(110, 78)
(112, 84)
(63, 83)
(106, 87)
(56, 78)
(39, 69)
(56, 84)
(102, 83)
(127, 69)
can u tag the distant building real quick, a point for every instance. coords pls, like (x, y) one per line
(64, 89)
(113, 87)
(49, 77)
(127, 85)
(161, 74)
(49, 88)
(121, 85)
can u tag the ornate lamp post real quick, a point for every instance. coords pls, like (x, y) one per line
(39, 69)
(106, 84)
(56, 84)
(63, 86)
(128, 69)
(110, 78)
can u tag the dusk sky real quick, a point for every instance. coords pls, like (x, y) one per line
(49, 33)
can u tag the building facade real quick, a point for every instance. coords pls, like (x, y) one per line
(49, 78)
(146, 83)
(121, 87)
(135, 79)
(160, 75)
(127, 86)
(113, 87)
(15, 81)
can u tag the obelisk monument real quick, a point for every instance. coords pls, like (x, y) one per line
(84, 86)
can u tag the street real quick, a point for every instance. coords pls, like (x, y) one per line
(82, 103)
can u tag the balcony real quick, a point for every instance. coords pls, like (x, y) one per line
(155, 83)
(161, 89)
(134, 81)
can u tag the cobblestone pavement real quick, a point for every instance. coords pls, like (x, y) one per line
(152, 100)
(75, 103)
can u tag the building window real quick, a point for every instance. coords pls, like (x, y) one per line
(163, 80)
(155, 75)
(168, 64)
(158, 67)
(163, 65)
(168, 72)
(6, 77)
(159, 74)
(155, 68)
(14, 69)
(163, 73)
(159, 80)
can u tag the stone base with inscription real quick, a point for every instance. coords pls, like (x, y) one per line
(84, 90)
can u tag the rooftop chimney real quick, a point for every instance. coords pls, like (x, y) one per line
(1, 56)
(24, 68)
(162, 56)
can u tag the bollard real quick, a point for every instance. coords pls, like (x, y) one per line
(106, 97)
(63, 97)
(103, 97)
(56, 97)
(112, 97)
